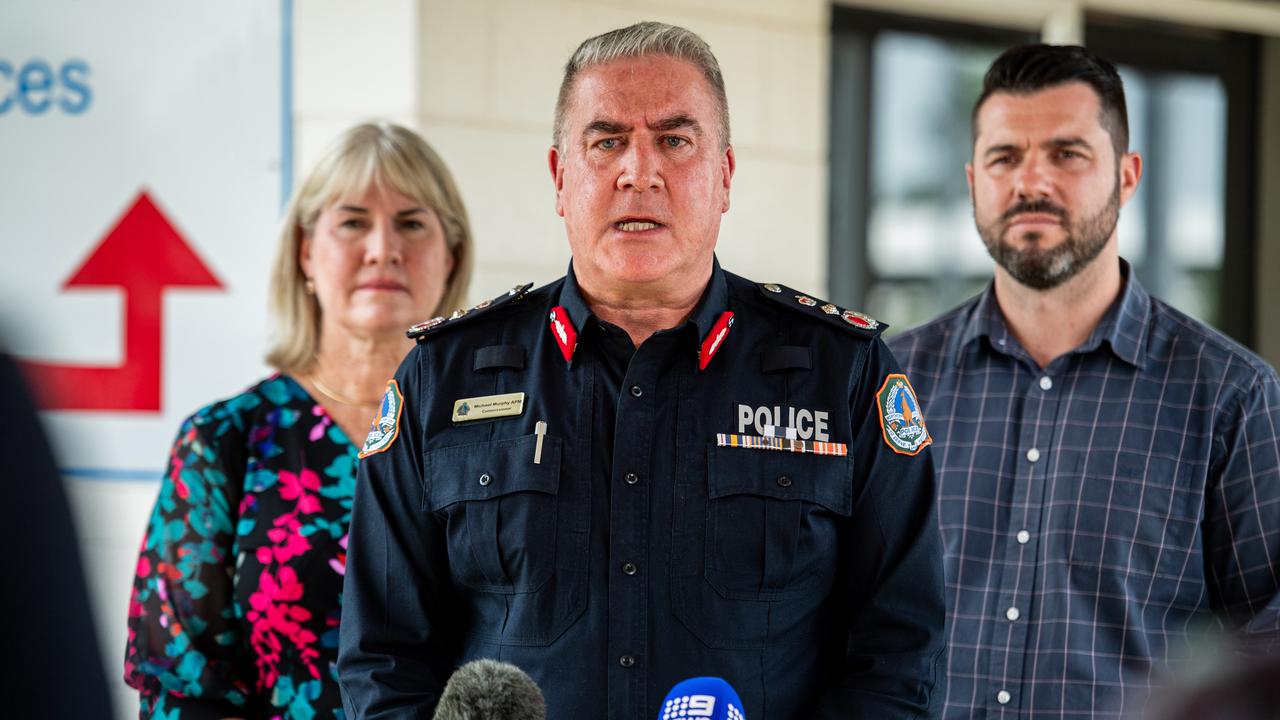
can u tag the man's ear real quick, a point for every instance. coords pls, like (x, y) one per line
(556, 163)
(728, 164)
(1130, 172)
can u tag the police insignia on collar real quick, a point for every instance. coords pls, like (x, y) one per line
(830, 312)
(563, 331)
(422, 329)
(386, 426)
(853, 317)
(900, 416)
(714, 339)
(424, 326)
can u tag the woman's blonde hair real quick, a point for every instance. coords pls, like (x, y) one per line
(366, 154)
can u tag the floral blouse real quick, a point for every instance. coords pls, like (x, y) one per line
(239, 584)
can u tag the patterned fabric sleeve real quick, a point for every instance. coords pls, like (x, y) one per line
(185, 651)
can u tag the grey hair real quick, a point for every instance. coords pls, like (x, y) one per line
(641, 40)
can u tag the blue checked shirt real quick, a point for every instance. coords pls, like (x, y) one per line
(1098, 512)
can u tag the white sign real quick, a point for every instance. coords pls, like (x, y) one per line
(102, 107)
(146, 148)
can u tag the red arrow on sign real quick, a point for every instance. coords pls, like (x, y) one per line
(144, 254)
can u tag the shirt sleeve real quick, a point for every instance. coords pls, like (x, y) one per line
(396, 650)
(891, 570)
(185, 653)
(1242, 517)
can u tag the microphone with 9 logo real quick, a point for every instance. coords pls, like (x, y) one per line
(702, 697)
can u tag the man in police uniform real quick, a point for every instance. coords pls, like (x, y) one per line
(650, 469)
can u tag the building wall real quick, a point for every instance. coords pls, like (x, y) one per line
(479, 80)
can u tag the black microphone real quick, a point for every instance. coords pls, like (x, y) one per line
(702, 697)
(490, 690)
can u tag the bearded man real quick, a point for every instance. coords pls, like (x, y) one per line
(1108, 468)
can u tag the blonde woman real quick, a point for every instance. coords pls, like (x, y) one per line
(237, 595)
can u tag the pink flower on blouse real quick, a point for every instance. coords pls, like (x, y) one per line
(295, 487)
(287, 538)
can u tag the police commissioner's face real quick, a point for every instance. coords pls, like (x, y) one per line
(642, 176)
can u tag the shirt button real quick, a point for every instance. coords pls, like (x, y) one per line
(629, 568)
(485, 479)
(784, 481)
(1003, 697)
(632, 478)
(1023, 537)
(1033, 455)
(626, 661)
(636, 391)
(1046, 383)
(1012, 613)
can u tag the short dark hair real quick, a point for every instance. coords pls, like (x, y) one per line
(1031, 68)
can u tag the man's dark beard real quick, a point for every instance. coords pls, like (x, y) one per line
(1045, 269)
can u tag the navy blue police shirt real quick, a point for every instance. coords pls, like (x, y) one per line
(747, 495)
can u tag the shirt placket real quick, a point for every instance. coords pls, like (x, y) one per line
(631, 484)
(1016, 592)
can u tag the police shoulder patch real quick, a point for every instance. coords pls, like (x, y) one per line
(901, 419)
(807, 305)
(385, 428)
(423, 330)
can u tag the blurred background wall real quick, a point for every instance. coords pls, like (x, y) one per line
(850, 123)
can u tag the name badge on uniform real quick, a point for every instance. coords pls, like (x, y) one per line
(487, 407)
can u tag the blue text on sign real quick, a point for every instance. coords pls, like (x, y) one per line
(35, 87)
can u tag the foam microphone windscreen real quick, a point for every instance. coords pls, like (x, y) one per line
(702, 697)
(490, 690)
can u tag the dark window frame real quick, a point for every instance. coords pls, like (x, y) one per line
(1233, 58)
(853, 31)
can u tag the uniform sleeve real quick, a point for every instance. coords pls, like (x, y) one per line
(396, 650)
(185, 653)
(891, 571)
(1242, 517)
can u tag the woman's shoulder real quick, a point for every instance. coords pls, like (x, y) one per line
(262, 402)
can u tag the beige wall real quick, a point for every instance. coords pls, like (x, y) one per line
(479, 80)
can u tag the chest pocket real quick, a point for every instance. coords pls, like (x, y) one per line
(500, 511)
(771, 530)
(1131, 513)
